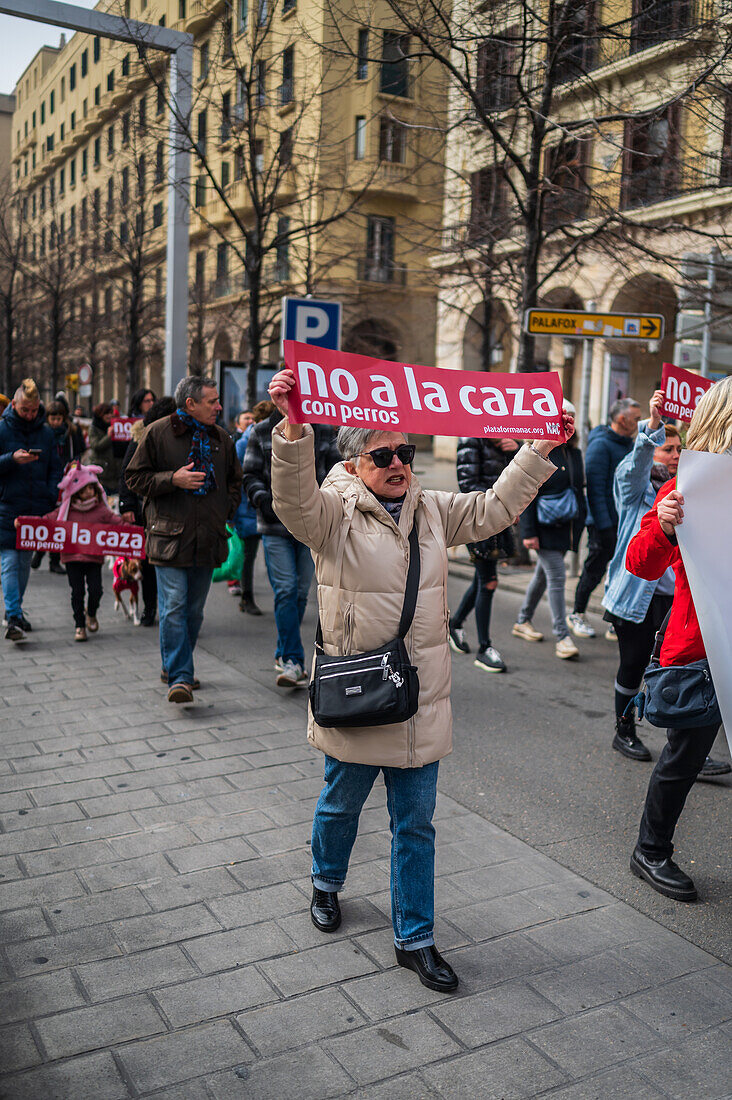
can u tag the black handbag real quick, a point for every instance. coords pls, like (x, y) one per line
(378, 688)
(677, 696)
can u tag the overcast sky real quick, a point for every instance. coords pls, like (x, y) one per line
(20, 39)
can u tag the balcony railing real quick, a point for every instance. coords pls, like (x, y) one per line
(656, 22)
(381, 271)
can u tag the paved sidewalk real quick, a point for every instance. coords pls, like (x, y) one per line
(156, 939)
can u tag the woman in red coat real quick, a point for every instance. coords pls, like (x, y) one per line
(650, 553)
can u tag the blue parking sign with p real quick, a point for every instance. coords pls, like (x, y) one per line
(311, 321)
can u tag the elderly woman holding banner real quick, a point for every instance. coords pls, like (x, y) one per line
(358, 525)
(650, 553)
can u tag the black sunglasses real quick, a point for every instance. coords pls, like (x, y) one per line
(382, 457)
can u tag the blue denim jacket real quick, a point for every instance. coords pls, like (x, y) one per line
(627, 596)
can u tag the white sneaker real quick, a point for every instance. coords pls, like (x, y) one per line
(489, 660)
(527, 632)
(234, 589)
(579, 626)
(290, 676)
(565, 648)
(610, 634)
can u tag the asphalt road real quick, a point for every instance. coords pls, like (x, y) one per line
(532, 754)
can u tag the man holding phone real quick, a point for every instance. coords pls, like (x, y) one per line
(30, 470)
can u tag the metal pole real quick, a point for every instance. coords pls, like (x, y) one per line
(176, 290)
(706, 346)
(584, 419)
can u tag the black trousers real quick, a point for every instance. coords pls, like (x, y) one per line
(149, 588)
(480, 597)
(601, 547)
(635, 643)
(673, 777)
(85, 579)
(251, 546)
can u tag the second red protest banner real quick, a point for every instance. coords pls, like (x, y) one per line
(335, 387)
(682, 391)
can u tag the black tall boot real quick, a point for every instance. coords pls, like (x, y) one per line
(626, 740)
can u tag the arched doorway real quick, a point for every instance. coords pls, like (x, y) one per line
(633, 368)
(554, 353)
(372, 337)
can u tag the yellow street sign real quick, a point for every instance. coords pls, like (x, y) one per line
(570, 323)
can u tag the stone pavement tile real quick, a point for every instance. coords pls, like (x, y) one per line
(281, 868)
(317, 967)
(225, 950)
(186, 812)
(500, 879)
(157, 1063)
(614, 1084)
(721, 974)
(26, 765)
(215, 749)
(96, 908)
(283, 838)
(589, 982)
(508, 1009)
(314, 1076)
(683, 1006)
(46, 778)
(135, 973)
(486, 919)
(359, 916)
(36, 816)
(510, 1069)
(214, 854)
(380, 944)
(660, 956)
(259, 798)
(219, 995)
(139, 933)
(43, 890)
(392, 993)
(22, 924)
(219, 827)
(298, 1022)
(128, 872)
(144, 843)
(96, 828)
(698, 1068)
(86, 1029)
(68, 857)
(373, 1053)
(26, 840)
(229, 766)
(370, 877)
(280, 775)
(14, 800)
(565, 898)
(198, 788)
(69, 792)
(88, 1078)
(599, 1038)
(124, 749)
(67, 949)
(170, 893)
(117, 803)
(582, 934)
(9, 869)
(182, 754)
(253, 906)
(485, 965)
(292, 813)
(96, 769)
(301, 788)
(165, 742)
(29, 997)
(409, 1086)
(17, 1049)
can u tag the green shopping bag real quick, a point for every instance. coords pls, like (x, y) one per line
(232, 568)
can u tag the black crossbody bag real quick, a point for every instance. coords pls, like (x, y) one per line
(378, 688)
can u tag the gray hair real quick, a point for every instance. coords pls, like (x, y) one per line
(352, 442)
(622, 406)
(193, 386)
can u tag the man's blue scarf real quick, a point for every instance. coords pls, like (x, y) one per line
(200, 453)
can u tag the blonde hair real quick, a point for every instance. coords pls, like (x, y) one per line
(711, 424)
(27, 391)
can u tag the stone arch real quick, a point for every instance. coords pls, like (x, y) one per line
(374, 338)
(222, 348)
(472, 343)
(554, 353)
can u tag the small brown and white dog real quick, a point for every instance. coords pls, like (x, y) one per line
(127, 573)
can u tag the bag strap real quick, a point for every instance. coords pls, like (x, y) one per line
(410, 594)
(660, 635)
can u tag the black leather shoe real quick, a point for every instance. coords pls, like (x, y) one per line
(430, 967)
(325, 912)
(710, 768)
(627, 742)
(248, 606)
(663, 875)
(148, 617)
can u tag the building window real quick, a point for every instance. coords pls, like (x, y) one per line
(487, 206)
(199, 196)
(359, 148)
(288, 76)
(72, 121)
(110, 141)
(259, 157)
(72, 173)
(72, 222)
(227, 41)
(126, 65)
(225, 132)
(262, 12)
(392, 141)
(181, 9)
(97, 95)
(49, 143)
(394, 64)
(62, 182)
(285, 150)
(159, 163)
(362, 55)
(157, 215)
(72, 77)
(84, 62)
(108, 302)
(83, 216)
(142, 114)
(203, 61)
(51, 103)
(658, 22)
(97, 49)
(108, 239)
(565, 172)
(242, 15)
(141, 176)
(238, 165)
(225, 174)
(84, 163)
(261, 83)
(576, 32)
(43, 112)
(61, 131)
(379, 265)
(287, 5)
(110, 197)
(495, 85)
(63, 89)
(97, 152)
(201, 134)
(160, 99)
(85, 108)
(126, 128)
(110, 80)
(221, 286)
(124, 191)
(725, 160)
(282, 250)
(200, 269)
(651, 164)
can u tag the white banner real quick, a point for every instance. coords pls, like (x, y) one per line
(705, 538)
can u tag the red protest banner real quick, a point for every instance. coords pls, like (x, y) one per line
(122, 428)
(333, 387)
(682, 391)
(123, 540)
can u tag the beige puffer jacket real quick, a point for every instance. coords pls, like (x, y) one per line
(361, 560)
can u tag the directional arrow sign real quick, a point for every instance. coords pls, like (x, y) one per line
(569, 323)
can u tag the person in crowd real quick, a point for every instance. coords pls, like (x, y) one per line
(83, 499)
(130, 505)
(101, 450)
(551, 525)
(289, 563)
(650, 553)
(141, 402)
(357, 526)
(71, 445)
(186, 470)
(607, 446)
(246, 520)
(479, 464)
(244, 421)
(30, 470)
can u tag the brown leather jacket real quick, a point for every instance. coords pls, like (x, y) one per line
(183, 529)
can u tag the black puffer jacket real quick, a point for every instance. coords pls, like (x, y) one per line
(479, 464)
(564, 536)
(257, 469)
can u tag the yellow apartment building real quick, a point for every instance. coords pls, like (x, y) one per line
(316, 168)
(634, 177)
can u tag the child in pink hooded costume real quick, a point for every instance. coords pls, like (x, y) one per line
(83, 499)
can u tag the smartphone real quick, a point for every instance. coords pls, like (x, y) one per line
(35, 450)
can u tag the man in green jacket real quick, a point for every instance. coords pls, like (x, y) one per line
(186, 470)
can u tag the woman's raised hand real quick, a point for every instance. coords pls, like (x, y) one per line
(654, 408)
(279, 389)
(670, 512)
(544, 447)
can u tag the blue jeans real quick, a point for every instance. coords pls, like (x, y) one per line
(181, 597)
(14, 573)
(410, 798)
(290, 569)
